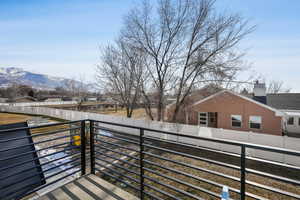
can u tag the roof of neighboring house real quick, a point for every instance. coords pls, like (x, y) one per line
(284, 101)
(281, 101)
(200, 94)
(277, 112)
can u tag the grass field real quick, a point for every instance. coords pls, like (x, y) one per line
(138, 113)
(8, 118)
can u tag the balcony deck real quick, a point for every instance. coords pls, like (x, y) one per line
(88, 187)
(154, 164)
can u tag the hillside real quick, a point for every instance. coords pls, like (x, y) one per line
(12, 75)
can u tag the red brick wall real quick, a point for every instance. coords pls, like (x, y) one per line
(227, 104)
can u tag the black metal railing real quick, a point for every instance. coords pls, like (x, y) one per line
(152, 164)
(157, 168)
(56, 158)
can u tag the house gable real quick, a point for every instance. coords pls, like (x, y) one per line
(227, 103)
(277, 112)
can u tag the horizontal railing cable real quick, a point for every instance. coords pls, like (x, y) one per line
(118, 138)
(192, 176)
(118, 166)
(121, 160)
(40, 157)
(173, 188)
(116, 172)
(118, 179)
(43, 164)
(37, 127)
(39, 142)
(193, 157)
(195, 167)
(118, 152)
(40, 134)
(183, 183)
(30, 152)
(117, 145)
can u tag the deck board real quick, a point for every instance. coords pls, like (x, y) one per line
(88, 187)
(44, 198)
(59, 194)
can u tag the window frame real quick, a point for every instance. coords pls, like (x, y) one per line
(260, 124)
(199, 120)
(289, 120)
(241, 121)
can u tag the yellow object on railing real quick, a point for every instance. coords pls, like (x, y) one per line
(76, 139)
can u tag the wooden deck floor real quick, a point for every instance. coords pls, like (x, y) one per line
(88, 187)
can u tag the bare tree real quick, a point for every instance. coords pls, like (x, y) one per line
(82, 91)
(78, 89)
(275, 87)
(121, 73)
(187, 41)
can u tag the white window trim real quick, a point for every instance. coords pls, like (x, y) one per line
(260, 123)
(236, 126)
(206, 118)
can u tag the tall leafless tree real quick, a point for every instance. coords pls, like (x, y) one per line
(275, 87)
(121, 73)
(186, 41)
(71, 87)
(78, 89)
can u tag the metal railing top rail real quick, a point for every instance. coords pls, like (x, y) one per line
(223, 141)
(40, 126)
(156, 160)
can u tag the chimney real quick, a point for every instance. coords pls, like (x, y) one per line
(259, 92)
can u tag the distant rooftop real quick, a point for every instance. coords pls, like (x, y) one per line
(281, 101)
(284, 101)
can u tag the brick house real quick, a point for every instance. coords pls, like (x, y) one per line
(229, 110)
(274, 114)
(194, 97)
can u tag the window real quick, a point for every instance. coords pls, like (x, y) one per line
(203, 118)
(212, 117)
(255, 122)
(290, 121)
(236, 120)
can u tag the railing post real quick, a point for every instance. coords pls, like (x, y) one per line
(243, 171)
(82, 145)
(141, 164)
(92, 147)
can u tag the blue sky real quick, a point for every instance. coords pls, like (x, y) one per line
(62, 37)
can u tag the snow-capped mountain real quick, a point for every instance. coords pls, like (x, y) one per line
(12, 75)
